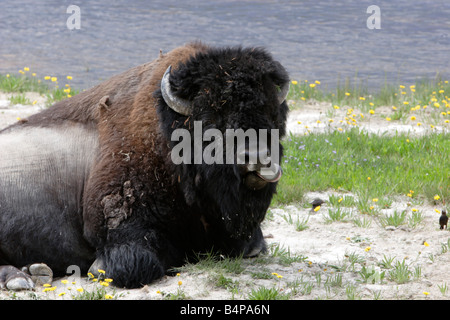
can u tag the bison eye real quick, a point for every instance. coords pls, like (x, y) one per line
(282, 92)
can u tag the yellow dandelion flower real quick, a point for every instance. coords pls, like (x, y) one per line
(90, 275)
(317, 208)
(371, 207)
(347, 93)
(158, 292)
(419, 124)
(371, 111)
(47, 77)
(7, 75)
(64, 281)
(371, 104)
(54, 79)
(21, 72)
(394, 108)
(405, 103)
(279, 276)
(108, 280)
(414, 210)
(375, 199)
(402, 86)
(47, 285)
(18, 118)
(33, 74)
(426, 244)
(317, 81)
(108, 297)
(312, 85)
(340, 200)
(437, 210)
(409, 195)
(69, 78)
(101, 271)
(436, 104)
(447, 121)
(330, 120)
(26, 69)
(367, 249)
(61, 294)
(104, 283)
(440, 91)
(180, 283)
(369, 178)
(426, 293)
(436, 197)
(388, 119)
(413, 118)
(80, 289)
(318, 121)
(336, 107)
(362, 98)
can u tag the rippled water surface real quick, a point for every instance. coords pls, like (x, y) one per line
(318, 40)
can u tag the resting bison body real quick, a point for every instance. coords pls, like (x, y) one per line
(90, 181)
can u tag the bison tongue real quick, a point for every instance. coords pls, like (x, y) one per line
(271, 174)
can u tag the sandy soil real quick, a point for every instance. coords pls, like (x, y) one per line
(326, 246)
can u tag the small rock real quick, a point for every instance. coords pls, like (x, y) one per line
(390, 228)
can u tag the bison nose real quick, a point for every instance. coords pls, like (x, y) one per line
(253, 160)
(259, 162)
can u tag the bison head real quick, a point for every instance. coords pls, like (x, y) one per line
(227, 90)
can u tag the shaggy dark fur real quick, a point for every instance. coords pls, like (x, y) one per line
(137, 214)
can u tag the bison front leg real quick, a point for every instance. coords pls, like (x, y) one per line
(129, 265)
(133, 258)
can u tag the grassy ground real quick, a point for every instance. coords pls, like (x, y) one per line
(28, 81)
(369, 164)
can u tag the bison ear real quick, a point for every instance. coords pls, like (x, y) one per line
(175, 103)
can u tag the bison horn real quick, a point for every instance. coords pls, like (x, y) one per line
(178, 105)
(282, 94)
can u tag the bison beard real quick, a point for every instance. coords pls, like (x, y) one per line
(131, 211)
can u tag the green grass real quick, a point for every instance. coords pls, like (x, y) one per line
(26, 81)
(424, 91)
(346, 160)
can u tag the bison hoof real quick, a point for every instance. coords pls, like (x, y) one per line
(40, 273)
(12, 278)
(96, 266)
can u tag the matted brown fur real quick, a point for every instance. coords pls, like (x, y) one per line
(123, 110)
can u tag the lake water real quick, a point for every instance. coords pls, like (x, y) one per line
(315, 39)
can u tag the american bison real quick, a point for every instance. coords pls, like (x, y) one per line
(91, 182)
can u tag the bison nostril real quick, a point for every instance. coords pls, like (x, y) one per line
(254, 158)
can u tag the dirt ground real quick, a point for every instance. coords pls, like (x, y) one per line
(326, 246)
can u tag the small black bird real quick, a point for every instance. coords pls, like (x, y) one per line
(316, 203)
(443, 219)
